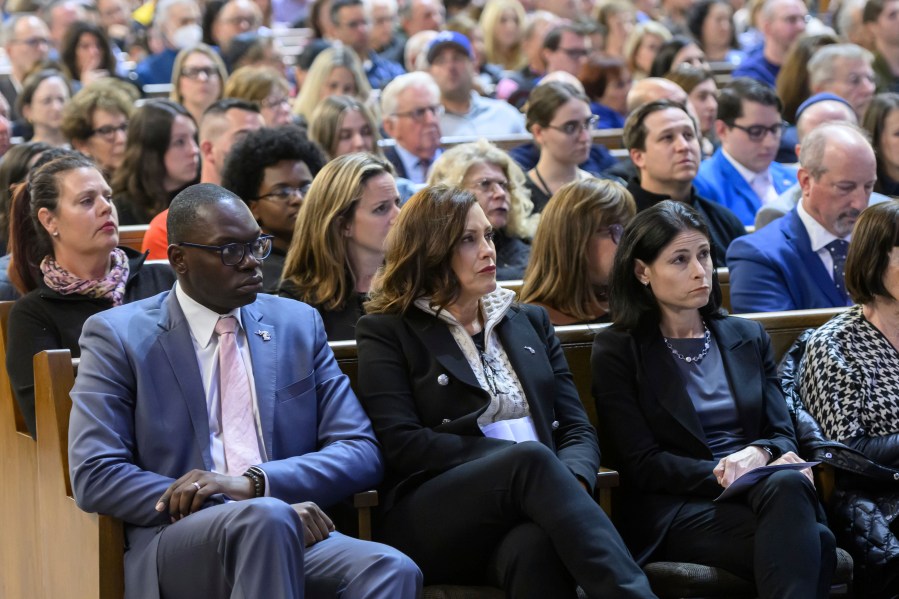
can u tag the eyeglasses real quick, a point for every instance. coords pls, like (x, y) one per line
(575, 53)
(419, 114)
(34, 42)
(108, 132)
(757, 132)
(243, 21)
(196, 72)
(486, 185)
(614, 231)
(275, 102)
(233, 254)
(285, 194)
(575, 127)
(796, 19)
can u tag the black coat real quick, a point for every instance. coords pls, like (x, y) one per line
(426, 428)
(44, 319)
(864, 508)
(652, 432)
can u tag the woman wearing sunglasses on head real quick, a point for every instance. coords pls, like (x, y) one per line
(559, 118)
(499, 185)
(573, 250)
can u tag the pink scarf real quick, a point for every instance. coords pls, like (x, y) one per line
(112, 286)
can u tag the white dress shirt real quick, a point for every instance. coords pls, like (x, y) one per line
(819, 237)
(761, 183)
(201, 321)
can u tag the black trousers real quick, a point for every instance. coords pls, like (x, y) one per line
(775, 535)
(517, 519)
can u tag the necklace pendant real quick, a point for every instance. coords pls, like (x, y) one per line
(688, 359)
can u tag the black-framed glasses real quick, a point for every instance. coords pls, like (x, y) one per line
(575, 127)
(419, 114)
(287, 193)
(108, 132)
(233, 254)
(758, 132)
(615, 232)
(197, 72)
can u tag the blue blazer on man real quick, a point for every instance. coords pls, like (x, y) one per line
(775, 269)
(139, 418)
(719, 181)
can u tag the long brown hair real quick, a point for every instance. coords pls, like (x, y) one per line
(420, 249)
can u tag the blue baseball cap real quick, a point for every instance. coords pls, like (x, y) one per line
(822, 97)
(449, 38)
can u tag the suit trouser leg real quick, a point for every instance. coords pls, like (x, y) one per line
(342, 566)
(241, 550)
(773, 536)
(452, 524)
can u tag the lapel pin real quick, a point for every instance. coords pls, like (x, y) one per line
(529, 348)
(266, 336)
(443, 380)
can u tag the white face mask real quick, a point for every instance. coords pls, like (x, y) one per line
(189, 35)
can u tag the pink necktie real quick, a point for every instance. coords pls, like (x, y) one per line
(238, 423)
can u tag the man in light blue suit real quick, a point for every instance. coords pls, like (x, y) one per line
(742, 174)
(154, 440)
(797, 261)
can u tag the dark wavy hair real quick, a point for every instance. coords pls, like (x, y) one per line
(13, 169)
(246, 162)
(696, 18)
(631, 303)
(67, 55)
(875, 235)
(420, 249)
(665, 56)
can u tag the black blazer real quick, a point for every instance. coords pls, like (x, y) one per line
(426, 428)
(393, 157)
(653, 433)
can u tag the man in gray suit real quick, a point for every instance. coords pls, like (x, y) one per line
(217, 424)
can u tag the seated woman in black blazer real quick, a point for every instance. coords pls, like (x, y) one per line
(490, 457)
(689, 402)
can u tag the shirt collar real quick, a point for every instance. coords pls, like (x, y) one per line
(201, 319)
(410, 161)
(818, 235)
(747, 174)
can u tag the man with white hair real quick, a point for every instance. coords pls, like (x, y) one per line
(26, 40)
(177, 23)
(844, 70)
(411, 108)
(797, 262)
(781, 23)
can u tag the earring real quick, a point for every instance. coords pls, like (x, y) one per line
(55, 233)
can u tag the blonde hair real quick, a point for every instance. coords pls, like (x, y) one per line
(512, 58)
(175, 95)
(317, 263)
(324, 126)
(454, 164)
(322, 67)
(557, 273)
(254, 84)
(636, 39)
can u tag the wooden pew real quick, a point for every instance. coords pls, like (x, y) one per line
(132, 236)
(82, 554)
(724, 281)
(19, 533)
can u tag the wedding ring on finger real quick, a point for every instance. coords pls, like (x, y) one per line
(197, 485)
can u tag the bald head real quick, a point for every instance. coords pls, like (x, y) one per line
(826, 111)
(652, 89)
(563, 77)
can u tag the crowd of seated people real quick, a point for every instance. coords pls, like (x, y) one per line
(540, 164)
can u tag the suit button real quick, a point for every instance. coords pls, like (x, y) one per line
(555, 424)
(445, 421)
(443, 380)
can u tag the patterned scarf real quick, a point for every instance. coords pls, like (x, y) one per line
(112, 286)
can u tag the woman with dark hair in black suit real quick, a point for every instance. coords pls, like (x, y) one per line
(689, 402)
(489, 454)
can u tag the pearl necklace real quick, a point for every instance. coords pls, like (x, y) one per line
(698, 357)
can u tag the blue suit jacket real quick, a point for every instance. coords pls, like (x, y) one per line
(719, 181)
(775, 269)
(139, 418)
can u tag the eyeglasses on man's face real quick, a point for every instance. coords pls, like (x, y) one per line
(575, 127)
(286, 193)
(758, 132)
(419, 114)
(233, 254)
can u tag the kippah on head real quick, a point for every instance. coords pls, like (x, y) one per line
(822, 97)
(183, 217)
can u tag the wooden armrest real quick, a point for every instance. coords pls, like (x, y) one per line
(825, 479)
(363, 502)
(607, 479)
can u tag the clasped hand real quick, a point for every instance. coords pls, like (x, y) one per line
(732, 467)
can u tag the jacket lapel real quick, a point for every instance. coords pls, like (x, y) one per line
(437, 338)
(667, 384)
(797, 236)
(178, 346)
(741, 367)
(263, 344)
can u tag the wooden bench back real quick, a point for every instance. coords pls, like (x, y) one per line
(724, 281)
(19, 533)
(85, 556)
(132, 236)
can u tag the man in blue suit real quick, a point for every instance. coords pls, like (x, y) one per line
(742, 174)
(160, 438)
(798, 261)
